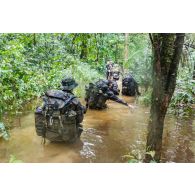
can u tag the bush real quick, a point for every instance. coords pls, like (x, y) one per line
(145, 99)
(27, 71)
(184, 95)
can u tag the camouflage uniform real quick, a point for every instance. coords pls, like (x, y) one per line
(129, 86)
(99, 93)
(61, 115)
(113, 86)
(109, 67)
(76, 105)
(115, 72)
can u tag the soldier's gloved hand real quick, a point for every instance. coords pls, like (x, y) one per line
(131, 107)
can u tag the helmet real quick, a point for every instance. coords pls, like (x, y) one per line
(69, 83)
(110, 62)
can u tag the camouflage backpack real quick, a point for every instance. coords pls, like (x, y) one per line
(128, 86)
(95, 95)
(56, 120)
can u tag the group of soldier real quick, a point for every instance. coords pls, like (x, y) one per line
(60, 118)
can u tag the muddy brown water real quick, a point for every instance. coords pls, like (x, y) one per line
(108, 136)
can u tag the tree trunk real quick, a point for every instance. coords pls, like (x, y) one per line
(73, 43)
(84, 39)
(126, 51)
(97, 49)
(101, 55)
(34, 39)
(116, 52)
(167, 49)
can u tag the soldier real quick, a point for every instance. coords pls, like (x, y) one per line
(99, 93)
(62, 114)
(113, 86)
(129, 86)
(109, 67)
(115, 72)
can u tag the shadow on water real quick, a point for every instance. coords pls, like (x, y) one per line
(107, 136)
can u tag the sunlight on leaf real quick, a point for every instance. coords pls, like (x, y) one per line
(13, 159)
(151, 153)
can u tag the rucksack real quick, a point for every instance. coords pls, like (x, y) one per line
(116, 75)
(128, 86)
(56, 120)
(95, 95)
(114, 88)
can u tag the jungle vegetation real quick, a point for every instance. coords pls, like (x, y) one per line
(33, 63)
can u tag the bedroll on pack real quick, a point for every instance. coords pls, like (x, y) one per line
(56, 121)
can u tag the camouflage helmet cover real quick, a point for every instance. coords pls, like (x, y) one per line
(69, 83)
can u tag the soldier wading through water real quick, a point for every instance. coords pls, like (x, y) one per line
(61, 116)
(113, 86)
(130, 86)
(115, 72)
(97, 94)
(109, 67)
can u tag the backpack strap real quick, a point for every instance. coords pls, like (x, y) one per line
(67, 102)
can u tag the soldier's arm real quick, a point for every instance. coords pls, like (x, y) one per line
(116, 99)
(80, 110)
(113, 97)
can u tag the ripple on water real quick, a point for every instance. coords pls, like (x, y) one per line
(90, 140)
(108, 135)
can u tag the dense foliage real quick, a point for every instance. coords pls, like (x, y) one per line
(33, 63)
(30, 64)
(139, 61)
(184, 95)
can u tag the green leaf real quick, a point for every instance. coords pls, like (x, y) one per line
(13, 159)
(3, 132)
(151, 153)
